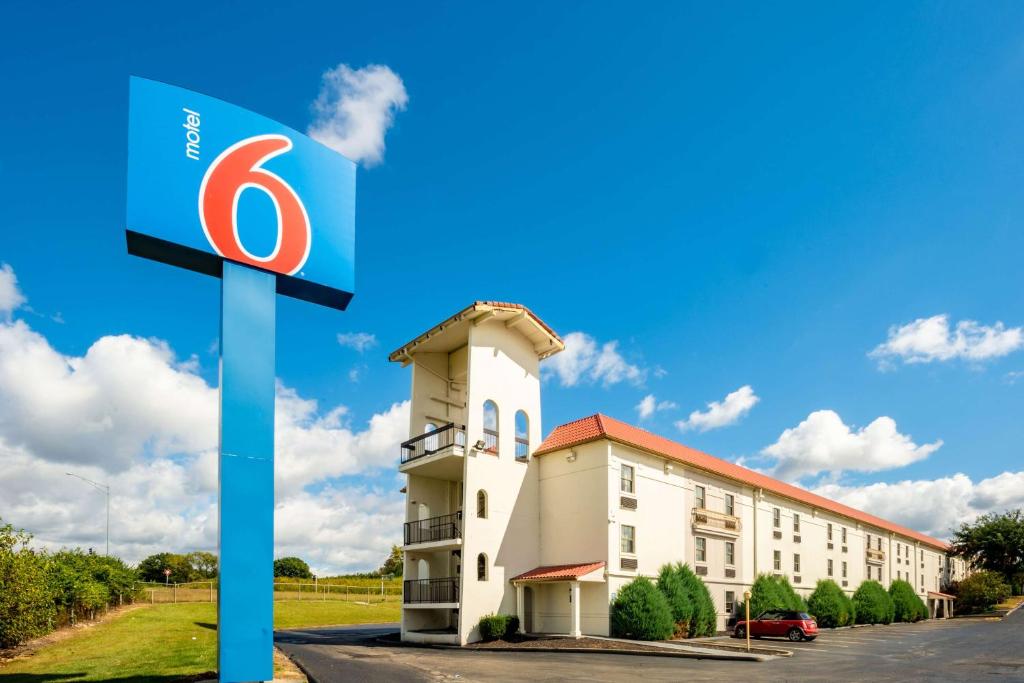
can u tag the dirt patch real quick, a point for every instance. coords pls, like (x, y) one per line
(28, 648)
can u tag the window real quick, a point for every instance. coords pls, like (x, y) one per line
(490, 427)
(922, 556)
(843, 534)
(626, 479)
(796, 563)
(830, 531)
(879, 573)
(796, 523)
(730, 553)
(879, 542)
(844, 569)
(701, 547)
(627, 542)
(481, 504)
(522, 435)
(698, 495)
(481, 567)
(868, 541)
(730, 504)
(830, 567)
(776, 517)
(730, 602)
(430, 443)
(777, 560)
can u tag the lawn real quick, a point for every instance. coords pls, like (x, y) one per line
(163, 643)
(1011, 602)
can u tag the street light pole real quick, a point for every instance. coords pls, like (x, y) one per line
(106, 489)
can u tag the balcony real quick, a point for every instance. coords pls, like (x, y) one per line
(875, 556)
(431, 592)
(437, 533)
(711, 522)
(436, 454)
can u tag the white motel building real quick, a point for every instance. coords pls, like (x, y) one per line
(501, 520)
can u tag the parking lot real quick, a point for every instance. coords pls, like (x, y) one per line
(953, 650)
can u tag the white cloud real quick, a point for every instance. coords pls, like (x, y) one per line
(360, 341)
(649, 405)
(722, 414)
(355, 108)
(935, 506)
(823, 443)
(10, 295)
(930, 339)
(584, 360)
(127, 412)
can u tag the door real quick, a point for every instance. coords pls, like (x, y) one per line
(528, 609)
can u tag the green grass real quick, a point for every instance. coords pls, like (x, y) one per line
(162, 643)
(1011, 602)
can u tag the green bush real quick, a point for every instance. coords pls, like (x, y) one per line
(981, 591)
(494, 626)
(907, 606)
(294, 567)
(873, 604)
(26, 603)
(641, 611)
(830, 605)
(772, 592)
(689, 601)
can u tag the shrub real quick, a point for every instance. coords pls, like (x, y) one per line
(907, 606)
(772, 592)
(981, 591)
(689, 601)
(873, 604)
(294, 567)
(26, 604)
(829, 605)
(641, 611)
(494, 626)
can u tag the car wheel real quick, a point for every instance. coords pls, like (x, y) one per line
(741, 632)
(795, 634)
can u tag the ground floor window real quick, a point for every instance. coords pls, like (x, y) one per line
(730, 602)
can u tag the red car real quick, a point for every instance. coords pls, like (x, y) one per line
(780, 624)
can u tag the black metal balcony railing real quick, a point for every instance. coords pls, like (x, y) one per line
(522, 448)
(442, 528)
(431, 590)
(490, 441)
(432, 442)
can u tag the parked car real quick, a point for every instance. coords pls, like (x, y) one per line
(779, 624)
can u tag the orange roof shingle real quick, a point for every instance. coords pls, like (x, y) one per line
(600, 426)
(559, 572)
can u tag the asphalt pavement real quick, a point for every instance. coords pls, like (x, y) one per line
(945, 650)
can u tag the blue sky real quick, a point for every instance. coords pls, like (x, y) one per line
(736, 196)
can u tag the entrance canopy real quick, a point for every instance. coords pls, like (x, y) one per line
(587, 571)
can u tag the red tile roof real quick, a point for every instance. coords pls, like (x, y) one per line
(937, 594)
(559, 572)
(603, 427)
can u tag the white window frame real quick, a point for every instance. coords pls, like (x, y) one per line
(625, 538)
(627, 485)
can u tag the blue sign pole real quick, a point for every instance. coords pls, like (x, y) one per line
(245, 604)
(222, 191)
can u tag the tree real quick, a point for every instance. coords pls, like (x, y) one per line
(907, 606)
(994, 542)
(292, 567)
(152, 568)
(641, 611)
(873, 604)
(830, 605)
(772, 592)
(26, 603)
(981, 591)
(393, 565)
(204, 565)
(689, 601)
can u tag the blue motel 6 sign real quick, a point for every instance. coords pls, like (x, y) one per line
(226, 192)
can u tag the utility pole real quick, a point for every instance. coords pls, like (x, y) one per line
(106, 489)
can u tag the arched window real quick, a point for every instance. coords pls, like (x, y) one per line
(522, 435)
(481, 504)
(491, 427)
(430, 443)
(481, 567)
